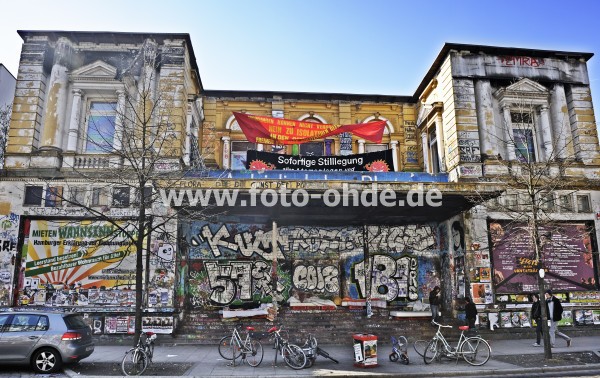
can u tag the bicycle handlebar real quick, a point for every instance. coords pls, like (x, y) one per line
(441, 325)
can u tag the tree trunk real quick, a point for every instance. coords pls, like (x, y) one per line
(545, 329)
(139, 271)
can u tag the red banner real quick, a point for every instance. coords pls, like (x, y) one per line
(268, 130)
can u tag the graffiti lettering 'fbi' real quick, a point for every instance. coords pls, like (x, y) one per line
(228, 281)
(390, 279)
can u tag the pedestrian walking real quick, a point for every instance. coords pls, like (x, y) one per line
(434, 303)
(555, 310)
(470, 312)
(536, 314)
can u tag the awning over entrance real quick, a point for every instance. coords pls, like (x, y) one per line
(338, 198)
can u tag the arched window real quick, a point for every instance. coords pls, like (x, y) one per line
(316, 148)
(389, 128)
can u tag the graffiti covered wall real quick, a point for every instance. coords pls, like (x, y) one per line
(9, 226)
(90, 263)
(236, 264)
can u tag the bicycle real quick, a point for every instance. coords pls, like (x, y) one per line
(475, 350)
(249, 350)
(292, 354)
(137, 359)
(311, 350)
(399, 350)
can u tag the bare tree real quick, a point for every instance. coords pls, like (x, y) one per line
(137, 148)
(531, 177)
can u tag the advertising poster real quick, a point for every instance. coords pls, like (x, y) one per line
(77, 263)
(370, 355)
(506, 320)
(481, 293)
(494, 320)
(157, 324)
(567, 318)
(484, 321)
(459, 271)
(567, 257)
(97, 325)
(585, 297)
(583, 317)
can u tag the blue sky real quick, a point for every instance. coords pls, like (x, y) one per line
(368, 47)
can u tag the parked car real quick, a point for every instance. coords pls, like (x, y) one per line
(45, 340)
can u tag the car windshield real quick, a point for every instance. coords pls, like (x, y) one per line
(75, 322)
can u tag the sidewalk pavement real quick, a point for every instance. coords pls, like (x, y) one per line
(206, 361)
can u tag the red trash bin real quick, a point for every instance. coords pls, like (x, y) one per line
(365, 350)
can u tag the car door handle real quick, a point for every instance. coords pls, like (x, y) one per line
(33, 337)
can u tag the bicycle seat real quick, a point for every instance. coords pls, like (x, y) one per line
(463, 328)
(249, 328)
(272, 329)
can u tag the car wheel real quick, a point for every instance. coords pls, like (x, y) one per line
(46, 360)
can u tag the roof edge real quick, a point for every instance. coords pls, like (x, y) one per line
(500, 50)
(309, 95)
(110, 36)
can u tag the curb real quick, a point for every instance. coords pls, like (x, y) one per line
(500, 372)
(591, 368)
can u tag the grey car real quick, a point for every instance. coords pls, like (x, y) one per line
(45, 340)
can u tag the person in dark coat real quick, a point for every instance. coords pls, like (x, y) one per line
(470, 312)
(536, 314)
(434, 303)
(554, 310)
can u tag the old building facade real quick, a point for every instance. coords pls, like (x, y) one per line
(340, 266)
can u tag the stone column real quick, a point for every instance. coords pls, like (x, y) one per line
(189, 119)
(361, 146)
(119, 117)
(394, 145)
(226, 152)
(439, 131)
(547, 140)
(147, 84)
(74, 122)
(54, 114)
(508, 134)
(425, 146)
(561, 126)
(328, 143)
(485, 118)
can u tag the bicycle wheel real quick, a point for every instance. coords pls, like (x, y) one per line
(420, 346)
(255, 356)
(225, 349)
(294, 356)
(134, 362)
(404, 359)
(476, 351)
(431, 351)
(310, 362)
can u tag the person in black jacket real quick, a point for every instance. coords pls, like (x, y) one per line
(536, 314)
(470, 312)
(434, 303)
(554, 311)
